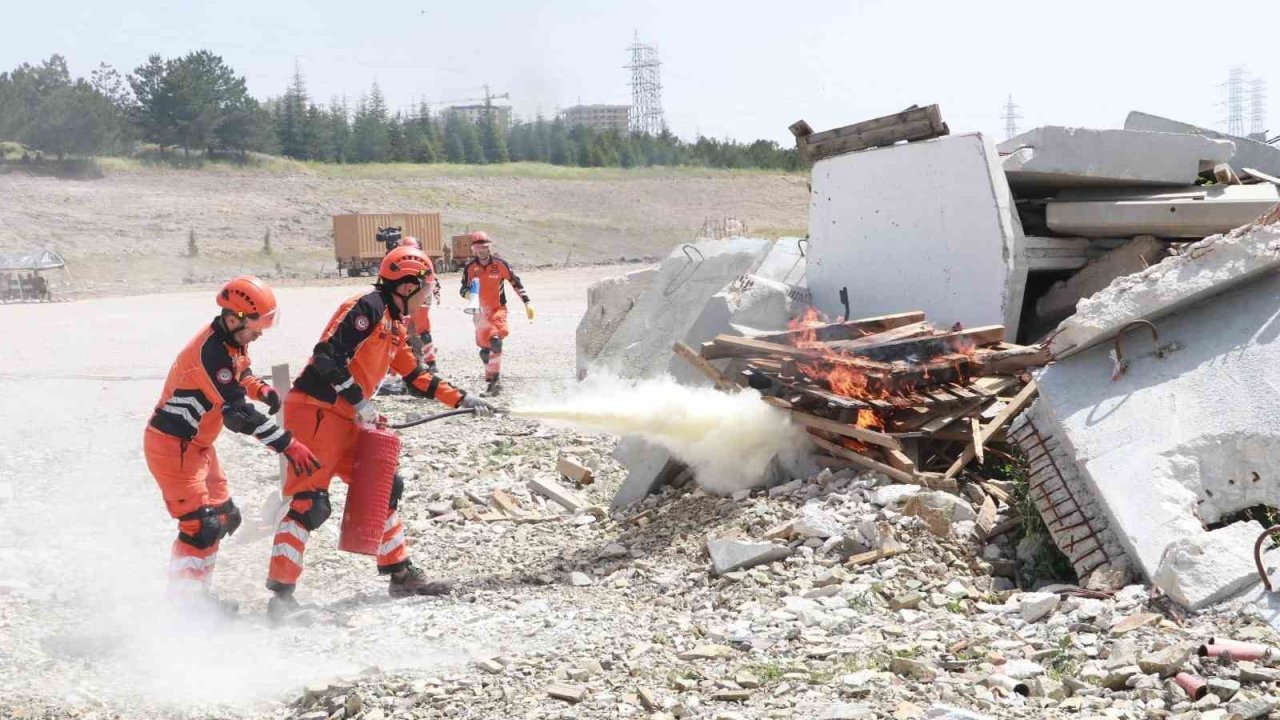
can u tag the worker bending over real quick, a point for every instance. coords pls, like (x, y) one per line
(491, 319)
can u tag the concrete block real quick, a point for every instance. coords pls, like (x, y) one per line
(1211, 266)
(785, 263)
(1046, 159)
(1193, 212)
(1139, 254)
(648, 468)
(1210, 566)
(1188, 438)
(1054, 253)
(608, 302)
(730, 555)
(926, 226)
(1248, 154)
(641, 344)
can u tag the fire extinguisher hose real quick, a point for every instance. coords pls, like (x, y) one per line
(432, 418)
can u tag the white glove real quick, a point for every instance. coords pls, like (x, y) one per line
(482, 408)
(366, 413)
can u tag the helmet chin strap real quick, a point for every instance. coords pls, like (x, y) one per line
(403, 299)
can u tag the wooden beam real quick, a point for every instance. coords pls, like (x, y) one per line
(975, 428)
(863, 461)
(563, 496)
(851, 431)
(931, 346)
(1006, 415)
(871, 556)
(906, 332)
(914, 123)
(1012, 360)
(704, 367)
(847, 330)
(899, 460)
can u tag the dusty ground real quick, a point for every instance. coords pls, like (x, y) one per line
(128, 232)
(622, 608)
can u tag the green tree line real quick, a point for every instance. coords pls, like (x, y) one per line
(199, 103)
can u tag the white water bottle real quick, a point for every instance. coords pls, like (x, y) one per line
(473, 298)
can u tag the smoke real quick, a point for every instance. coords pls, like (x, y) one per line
(728, 439)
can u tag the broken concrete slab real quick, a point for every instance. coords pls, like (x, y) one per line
(1054, 253)
(689, 277)
(785, 263)
(730, 555)
(608, 302)
(1139, 254)
(1205, 268)
(1046, 159)
(1193, 212)
(874, 214)
(1178, 440)
(1209, 567)
(1248, 153)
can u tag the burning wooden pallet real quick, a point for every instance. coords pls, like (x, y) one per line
(892, 393)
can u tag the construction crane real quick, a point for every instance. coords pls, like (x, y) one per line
(487, 99)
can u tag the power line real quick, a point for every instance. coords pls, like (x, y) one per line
(646, 89)
(1235, 101)
(1011, 118)
(1258, 106)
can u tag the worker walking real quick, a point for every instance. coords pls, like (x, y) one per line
(330, 402)
(486, 273)
(420, 323)
(208, 388)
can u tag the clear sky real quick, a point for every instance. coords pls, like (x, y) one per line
(740, 70)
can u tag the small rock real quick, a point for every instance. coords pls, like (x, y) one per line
(707, 652)
(730, 555)
(1037, 605)
(568, 693)
(314, 715)
(1022, 669)
(580, 579)
(648, 699)
(1251, 706)
(747, 680)
(1046, 687)
(956, 589)
(1255, 673)
(614, 550)
(847, 711)
(1166, 662)
(893, 495)
(1224, 688)
(492, 667)
(908, 667)
(814, 522)
(907, 711)
(731, 695)
(1118, 678)
(909, 600)
(684, 684)
(1130, 623)
(946, 712)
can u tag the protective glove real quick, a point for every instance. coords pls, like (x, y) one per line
(482, 408)
(301, 459)
(271, 398)
(367, 414)
(528, 311)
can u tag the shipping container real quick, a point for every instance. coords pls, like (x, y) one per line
(355, 238)
(461, 249)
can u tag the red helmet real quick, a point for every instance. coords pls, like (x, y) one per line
(250, 298)
(405, 263)
(409, 241)
(480, 237)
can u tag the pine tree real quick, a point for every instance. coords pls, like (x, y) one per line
(492, 143)
(292, 127)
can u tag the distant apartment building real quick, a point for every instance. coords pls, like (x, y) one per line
(598, 117)
(475, 114)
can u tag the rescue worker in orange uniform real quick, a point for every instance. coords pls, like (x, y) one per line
(330, 402)
(491, 321)
(209, 387)
(420, 324)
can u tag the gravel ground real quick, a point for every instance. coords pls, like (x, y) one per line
(571, 615)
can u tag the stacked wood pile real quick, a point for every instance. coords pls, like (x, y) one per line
(892, 394)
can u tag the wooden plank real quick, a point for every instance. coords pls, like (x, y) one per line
(995, 492)
(704, 367)
(847, 330)
(934, 345)
(725, 346)
(975, 428)
(899, 460)
(1014, 407)
(906, 332)
(552, 490)
(911, 124)
(851, 431)
(1012, 360)
(507, 503)
(931, 113)
(863, 461)
(871, 556)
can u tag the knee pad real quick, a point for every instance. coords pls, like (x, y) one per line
(319, 511)
(397, 489)
(484, 355)
(495, 344)
(210, 531)
(425, 338)
(231, 517)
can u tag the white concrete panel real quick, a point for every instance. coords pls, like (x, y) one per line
(923, 226)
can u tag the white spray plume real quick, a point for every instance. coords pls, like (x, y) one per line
(728, 439)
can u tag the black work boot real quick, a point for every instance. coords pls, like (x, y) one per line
(282, 607)
(411, 581)
(494, 388)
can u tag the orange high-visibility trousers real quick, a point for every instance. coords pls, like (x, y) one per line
(189, 477)
(331, 435)
(491, 323)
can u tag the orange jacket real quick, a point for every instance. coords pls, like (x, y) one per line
(421, 321)
(492, 274)
(207, 388)
(363, 340)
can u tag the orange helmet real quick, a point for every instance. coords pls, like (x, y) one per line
(250, 298)
(480, 237)
(404, 263)
(410, 242)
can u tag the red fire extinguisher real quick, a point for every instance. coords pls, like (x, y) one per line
(373, 473)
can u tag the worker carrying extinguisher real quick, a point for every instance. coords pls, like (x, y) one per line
(484, 276)
(420, 322)
(209, 387)
(329, 403)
